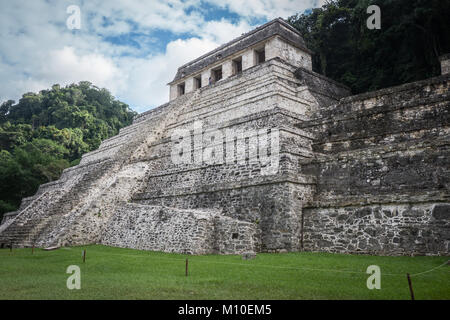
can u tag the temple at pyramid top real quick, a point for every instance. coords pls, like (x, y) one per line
(274, 39)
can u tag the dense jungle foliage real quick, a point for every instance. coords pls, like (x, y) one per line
(413, 34)
(46, 132)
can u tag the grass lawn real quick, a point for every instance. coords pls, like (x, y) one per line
(114, 273)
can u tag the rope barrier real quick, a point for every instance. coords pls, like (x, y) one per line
(271, 266)
(420, 273)
(279, 267)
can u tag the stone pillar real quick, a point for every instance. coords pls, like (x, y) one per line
(189, 85)
(274, 48)
(173, 92)
(445, 63)
(227, 69)
(248, 59)
(205, 77)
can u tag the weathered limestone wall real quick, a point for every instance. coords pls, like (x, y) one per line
(175, 230)
(382, 167)
(277, 217)
(386, 229)
(445, 64)
(277, 47)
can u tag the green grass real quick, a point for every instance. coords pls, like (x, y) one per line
(114, 273)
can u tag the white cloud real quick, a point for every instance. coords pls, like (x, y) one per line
(268, 9)
(65, 67)
(37, 50)
(223, 31)
(147, 78)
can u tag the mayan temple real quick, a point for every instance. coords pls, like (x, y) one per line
(255, 152)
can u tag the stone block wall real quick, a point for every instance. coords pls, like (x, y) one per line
(445, 64)
(160, 229)
(383, 229)
(185, 231)
(277, 217)
(277, 47)
(383, 172)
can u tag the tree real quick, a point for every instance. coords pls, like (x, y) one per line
(46, 132)
(4, 110)
(412, 37)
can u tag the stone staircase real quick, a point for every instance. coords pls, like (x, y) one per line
(89, 193)
(43, 212)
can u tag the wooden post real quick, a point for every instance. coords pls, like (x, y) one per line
(84, 255)
(410, 286)
(302, 222)
(187, 267)
(10, 247)
(32, 249)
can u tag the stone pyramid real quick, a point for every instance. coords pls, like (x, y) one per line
(255, 152)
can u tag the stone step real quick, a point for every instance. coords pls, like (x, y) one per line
(203, 112)
(237, 90)
(86, 183)
(212, 97)
(279, 71)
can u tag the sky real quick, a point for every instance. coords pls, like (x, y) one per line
(131, 47)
